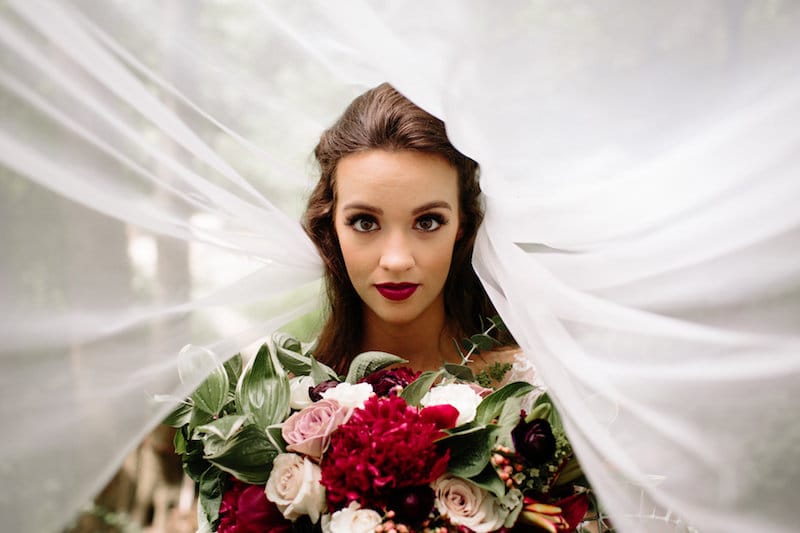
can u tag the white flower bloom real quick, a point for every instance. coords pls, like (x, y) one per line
(348, 395)
(461, 396)
(466, 504)
(351, 519)
(294, 486)
(299, 387)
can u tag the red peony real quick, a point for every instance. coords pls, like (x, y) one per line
(246, 509)
(384, 446)
(386, 382)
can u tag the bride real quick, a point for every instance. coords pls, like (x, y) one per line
(638, 171)
(394, 217)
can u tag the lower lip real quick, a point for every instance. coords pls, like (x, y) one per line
(396, 294)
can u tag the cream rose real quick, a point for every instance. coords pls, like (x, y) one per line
(349, 395)
(299, 392)
(459, 395)
(351, 519)
(466, 504)
(294, 486)
(308, 431)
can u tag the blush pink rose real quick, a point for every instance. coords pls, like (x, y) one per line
(308, 432)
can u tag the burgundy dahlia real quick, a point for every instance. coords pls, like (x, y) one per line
(315, 392)
(385, 382)
(383, 447)
(246, 509)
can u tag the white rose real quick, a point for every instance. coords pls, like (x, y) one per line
(299, 387)
(461, 396)
(351, 519)
(349, 395)
(294, 486)
(466, 504)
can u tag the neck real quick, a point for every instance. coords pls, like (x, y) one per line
(426, 342)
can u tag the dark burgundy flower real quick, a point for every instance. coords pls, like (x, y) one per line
(385, 382)
(383, 447)
(534, 441)
(315, 393)
(246, 509)
(412, 505)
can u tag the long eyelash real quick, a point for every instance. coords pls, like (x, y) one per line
(440, 219)
(352, 219)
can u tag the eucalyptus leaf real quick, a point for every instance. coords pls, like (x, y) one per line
(470, 451)
(415, 390)
(462, 372)
(321, 372)
(179, 416)
(483, 342)
(263, 390)
(248, 455)
(490, 407)
(366, 363)
(223, 428)
(488, 480)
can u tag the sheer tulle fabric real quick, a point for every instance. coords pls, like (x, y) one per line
(641, 239)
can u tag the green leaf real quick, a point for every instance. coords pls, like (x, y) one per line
(180, 416)
(197, 362)
(248, 455)
(211, 494)
(263, 390)
(179, 443)
(483, 342)
(275, 436)
(321, 372)
(193, 462)
(462, 372)
(488, 480)
(366, 363)
(470, 451)
(490, 407)
(507, 420)
(233, 367)
(414, 392)
(223, 428)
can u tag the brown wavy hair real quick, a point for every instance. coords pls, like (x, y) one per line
(382, 118)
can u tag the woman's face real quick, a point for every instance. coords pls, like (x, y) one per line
(397, 219)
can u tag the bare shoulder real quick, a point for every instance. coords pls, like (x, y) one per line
(505, 364)
(502, 354)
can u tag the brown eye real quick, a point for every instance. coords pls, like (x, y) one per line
(363, 224)
(429, 223)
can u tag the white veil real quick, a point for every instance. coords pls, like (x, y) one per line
(642, 236)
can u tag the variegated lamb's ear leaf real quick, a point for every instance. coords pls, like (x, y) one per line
(470, 451)
(195, 362)
(291, 354)
(179, 416)
(415, 390)
(263, 391)
(461, 372)
(233, 367)
(248, 455)
(321, 372)
(490, 407)
(285, 341)
(366, 363)
(223, 428)
(275, 436)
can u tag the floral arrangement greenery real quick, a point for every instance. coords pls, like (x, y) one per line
(284, 444)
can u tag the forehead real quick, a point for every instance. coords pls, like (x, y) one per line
(394, 177)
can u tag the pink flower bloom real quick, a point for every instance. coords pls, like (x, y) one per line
(245, 509)
(308, 431)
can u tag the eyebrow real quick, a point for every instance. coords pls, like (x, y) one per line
(378, 211)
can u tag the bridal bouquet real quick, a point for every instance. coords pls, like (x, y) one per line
(285, 444)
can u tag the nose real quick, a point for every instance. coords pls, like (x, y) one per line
(397, 254)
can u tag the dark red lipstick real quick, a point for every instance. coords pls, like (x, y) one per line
(396, 291)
